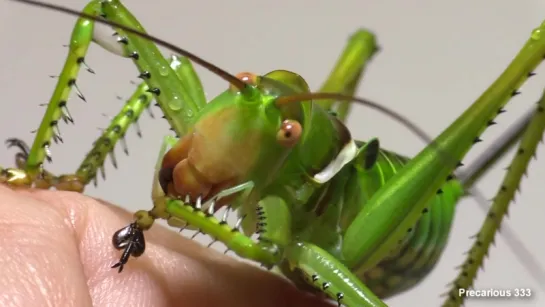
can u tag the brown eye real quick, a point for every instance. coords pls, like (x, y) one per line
(246, 77)
(289, 133)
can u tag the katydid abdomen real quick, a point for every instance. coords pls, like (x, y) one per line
(419, 251)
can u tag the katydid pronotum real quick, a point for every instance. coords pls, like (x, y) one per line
(345, 297)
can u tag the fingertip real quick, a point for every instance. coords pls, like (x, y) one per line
(44, 265)
(173, 271)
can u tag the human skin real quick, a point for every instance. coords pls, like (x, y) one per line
(55, 250)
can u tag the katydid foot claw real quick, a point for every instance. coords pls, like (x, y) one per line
(15, 142)
(131, 239)
(24, 150)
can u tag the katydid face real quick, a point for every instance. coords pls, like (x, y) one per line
(232, 142)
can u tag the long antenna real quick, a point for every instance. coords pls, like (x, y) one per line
(241, 85)
(211, 67)
(283, 100)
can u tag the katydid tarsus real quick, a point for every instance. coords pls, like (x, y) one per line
(365, 242)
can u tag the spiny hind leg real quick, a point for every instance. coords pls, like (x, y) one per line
(348, 71)
(530, 138)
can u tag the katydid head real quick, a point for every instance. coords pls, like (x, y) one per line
(236, 137)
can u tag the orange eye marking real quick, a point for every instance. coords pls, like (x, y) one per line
(289, 133)
(246, 77)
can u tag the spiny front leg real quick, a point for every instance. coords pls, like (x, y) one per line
(175, 85)
(94, 160)
(57, 107)
(196, 215)
(130, 239)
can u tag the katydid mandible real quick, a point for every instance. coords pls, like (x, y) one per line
(380, 219)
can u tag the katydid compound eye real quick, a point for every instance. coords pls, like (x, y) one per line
(246, 77)
(289, 133)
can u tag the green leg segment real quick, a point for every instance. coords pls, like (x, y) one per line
(328, 274)
(242, 245)
(495, 152)
(348, 71)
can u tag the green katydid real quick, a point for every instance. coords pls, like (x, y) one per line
(309, 207)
